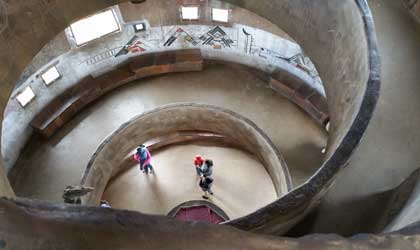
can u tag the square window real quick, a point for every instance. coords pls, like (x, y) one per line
(189, 13)
(50, 76)
(139, 27)
(94, 27)
(26, 96)
(220, 15)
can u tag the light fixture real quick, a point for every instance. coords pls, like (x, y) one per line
(189, 13)
(50, 76)
(26, 96)
(139, 27)
(220, 15)
(94, 27)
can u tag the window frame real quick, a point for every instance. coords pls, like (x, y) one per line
(24, 103)
(219, 20)
(71, 33)
(197, 7)
(46, 71)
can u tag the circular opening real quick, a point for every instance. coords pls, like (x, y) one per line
(108, 159)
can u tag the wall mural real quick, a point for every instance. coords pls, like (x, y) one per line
(134, 45)
(217, 38)
(239, 38)
(102, 56)
(180, 33)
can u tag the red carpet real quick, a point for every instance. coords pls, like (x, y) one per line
(199, 213)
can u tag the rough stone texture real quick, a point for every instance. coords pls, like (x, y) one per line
(79, 65)
(181, 117)
(407, 213)
(414, 7)
(389, 152)
(398, 209)
(348, 65)
(73, 227)
(355, 102)
(5, 188)
(376, 241)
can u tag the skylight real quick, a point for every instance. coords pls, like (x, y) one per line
(26, 96)
(50, 76)
(94, 27)
(220, 15)
(189, 13)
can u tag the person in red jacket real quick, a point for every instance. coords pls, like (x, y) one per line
(198, 163)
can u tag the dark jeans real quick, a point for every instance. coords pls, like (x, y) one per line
(148, 168)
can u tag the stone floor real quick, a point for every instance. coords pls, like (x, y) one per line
(241, 184)
(48, 166)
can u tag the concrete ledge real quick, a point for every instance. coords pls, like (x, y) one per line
(182, 117)
(67, 104)
(61, 109)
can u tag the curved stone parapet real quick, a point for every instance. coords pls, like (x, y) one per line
(182, 117)
(74, 227)
(88, 72)
(346, 55)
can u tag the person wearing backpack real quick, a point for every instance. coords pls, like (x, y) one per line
(144, 158)
(205, 184)
(207, 168)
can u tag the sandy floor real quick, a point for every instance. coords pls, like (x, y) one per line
(241, 184)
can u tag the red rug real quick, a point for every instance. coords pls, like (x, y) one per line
(199, 213)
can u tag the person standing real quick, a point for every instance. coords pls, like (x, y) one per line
(207, 168)
(144, 157)
(137, 158)
(198, 163)
(205, 184)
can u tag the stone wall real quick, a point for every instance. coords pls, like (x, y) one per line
(414, 7)
(182, 117)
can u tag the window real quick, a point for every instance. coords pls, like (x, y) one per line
(50, 76)
(139, 27)
(26, 96)
(220, 15)
(94, 27)
(189, 13)
(327, 127)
